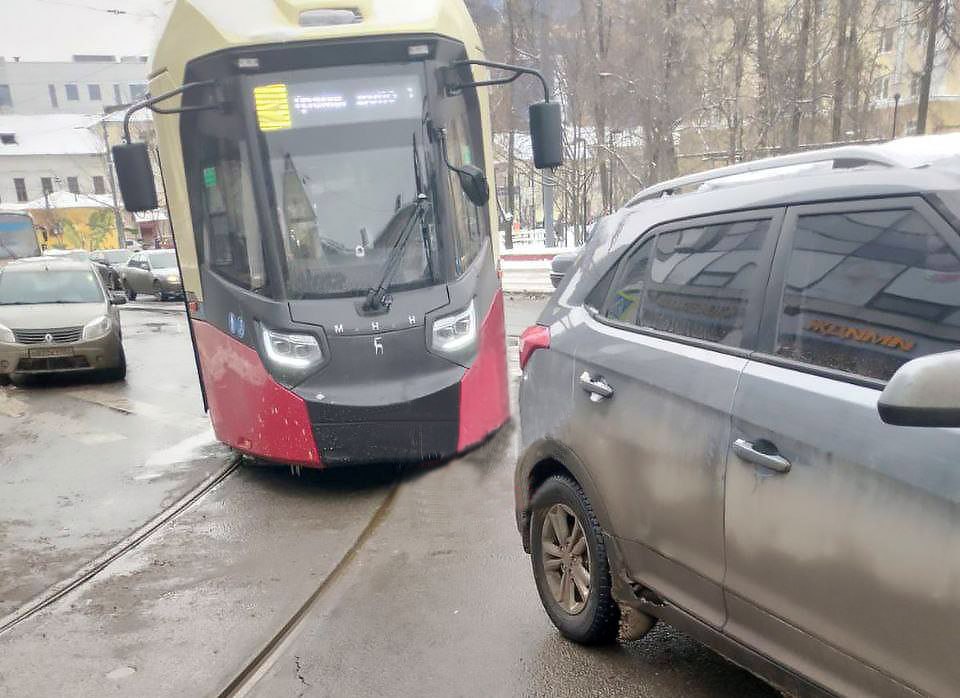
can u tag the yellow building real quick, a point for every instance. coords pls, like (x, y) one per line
(901, 44)
(66, 221)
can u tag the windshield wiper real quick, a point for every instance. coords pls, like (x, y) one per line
(377, 296)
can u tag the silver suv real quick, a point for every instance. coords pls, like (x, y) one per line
(733, 414)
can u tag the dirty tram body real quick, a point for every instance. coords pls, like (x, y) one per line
(326, 172)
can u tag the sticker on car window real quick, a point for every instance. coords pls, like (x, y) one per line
(210, 177)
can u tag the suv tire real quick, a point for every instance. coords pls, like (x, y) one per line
(4, 379)
(131, 294)
(564, 569)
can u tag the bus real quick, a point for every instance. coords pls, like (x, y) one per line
(18, 237)
(327, 173)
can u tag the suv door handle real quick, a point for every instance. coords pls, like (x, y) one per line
(597, 387)
(770, 461)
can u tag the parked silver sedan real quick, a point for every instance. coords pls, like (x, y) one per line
(57, 317)
(733, 414)
(153, 272)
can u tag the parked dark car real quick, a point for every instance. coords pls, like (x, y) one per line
(108, 263)
(560, 265)
(733, 421)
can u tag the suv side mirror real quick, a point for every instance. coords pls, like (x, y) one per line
(546, 134)
(135, 175)
(474, 183)
(925, 392)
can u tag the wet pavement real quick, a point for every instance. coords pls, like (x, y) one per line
(405, 584)
(83, 463)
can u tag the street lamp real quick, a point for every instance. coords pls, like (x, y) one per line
(896, 109)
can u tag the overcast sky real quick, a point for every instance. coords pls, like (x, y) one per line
(57, 29)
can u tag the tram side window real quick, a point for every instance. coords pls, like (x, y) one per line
(469, 229)
(233, 247)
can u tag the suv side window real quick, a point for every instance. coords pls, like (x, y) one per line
(867, 291)
(701, 280)
(625, 296)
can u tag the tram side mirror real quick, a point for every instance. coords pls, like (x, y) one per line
(546, 134)
(135, 175)
(474, 183)
(924, 392)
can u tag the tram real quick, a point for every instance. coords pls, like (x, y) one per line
(327, 168)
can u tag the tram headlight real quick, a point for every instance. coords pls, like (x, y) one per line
(455, 334)
(292, 355)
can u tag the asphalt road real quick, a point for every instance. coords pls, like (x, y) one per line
(409, 584)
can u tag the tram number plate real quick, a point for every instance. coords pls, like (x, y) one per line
(50, 353)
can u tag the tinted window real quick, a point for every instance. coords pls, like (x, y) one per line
(701, 279)
(867, 292)
(626, 295)
(468, 226)
(232, 240)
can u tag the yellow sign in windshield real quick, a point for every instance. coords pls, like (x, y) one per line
(273, 107)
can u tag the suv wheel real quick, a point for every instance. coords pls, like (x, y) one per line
(131, 294)
(158, 291)
(570, 564)
(4, 379)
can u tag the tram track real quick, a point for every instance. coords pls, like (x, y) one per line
(254, 670)
(131, 542)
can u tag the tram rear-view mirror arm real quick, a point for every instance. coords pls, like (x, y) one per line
(546, 117)
(132, 160)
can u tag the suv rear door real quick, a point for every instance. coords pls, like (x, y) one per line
(843, 533)
(656, 369)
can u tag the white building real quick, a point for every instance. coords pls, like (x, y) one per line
(83, 85)
(51, 152)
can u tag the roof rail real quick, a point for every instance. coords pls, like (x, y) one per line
(843, 157)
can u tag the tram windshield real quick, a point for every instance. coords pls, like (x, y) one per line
(345, 153)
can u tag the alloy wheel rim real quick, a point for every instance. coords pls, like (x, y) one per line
(566, 558)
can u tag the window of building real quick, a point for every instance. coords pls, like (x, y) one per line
(72, 91)
(46, 185)
(138, 91)
(73, 184)
(20, 185)
(117, 94)
(6, 97)
(701, 280)
(93, 91)
(888, 39)
(882, 87)
(8, 138)
(868, 291)
(98, 185)
(52, 89)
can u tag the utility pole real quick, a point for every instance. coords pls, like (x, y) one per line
(546, 66)
(926, 80)
(117, 217)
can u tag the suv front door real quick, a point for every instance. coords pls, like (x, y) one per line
(843, 533)
(656, 370)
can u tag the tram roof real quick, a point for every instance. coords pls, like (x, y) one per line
(197, 28)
